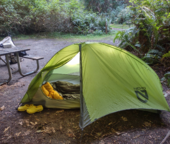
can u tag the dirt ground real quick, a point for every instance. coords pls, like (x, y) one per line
(54, 126)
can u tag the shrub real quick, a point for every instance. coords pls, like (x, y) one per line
(152, 23)
(23, 16)
(123, 16)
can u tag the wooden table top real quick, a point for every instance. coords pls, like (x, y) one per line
(5, 51)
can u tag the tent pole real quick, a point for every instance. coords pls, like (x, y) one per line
(81, 91)
(81, 96)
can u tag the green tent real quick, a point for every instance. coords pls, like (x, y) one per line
(111, 80)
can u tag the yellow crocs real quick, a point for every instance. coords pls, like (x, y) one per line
(48, 87)
(56, 95)
(23, 108)
(46, 92)
(33, 109)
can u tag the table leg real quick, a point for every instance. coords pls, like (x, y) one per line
(9, 70)
(2, 60)
(6, 64)
(19, 67)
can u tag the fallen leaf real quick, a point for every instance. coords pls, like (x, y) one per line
(99, 134)
(2, 108)
(124, 118)
(27, 122)
(53, 130)
(27, 133)
(118, 133)
(20, 123)
(6, 129)
(33, 123)
(107, 134)
(17, 134)
(136, 136)
(9, 137)
(49, 130)
(59, 111)
(39, 131)
(70, 133)
(110, 123)
(147, 124)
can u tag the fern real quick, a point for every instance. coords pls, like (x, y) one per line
(166, 55)
(167, 77)
(155, 52)
(150, 36)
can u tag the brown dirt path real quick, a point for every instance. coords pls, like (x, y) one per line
(62, 126)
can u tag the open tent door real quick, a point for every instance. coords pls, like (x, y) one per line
(68, 73)
(57, 61)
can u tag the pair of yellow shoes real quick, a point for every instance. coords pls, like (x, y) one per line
(50, 92)
(31, 108)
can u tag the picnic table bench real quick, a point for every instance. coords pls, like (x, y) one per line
(6, 51)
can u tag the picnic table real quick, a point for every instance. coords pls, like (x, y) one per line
(6, 51)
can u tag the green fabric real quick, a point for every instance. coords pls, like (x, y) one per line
(111, 76)
(69, 73)
(74, 79)
(67, 69)
(58, 60)
(112, 80)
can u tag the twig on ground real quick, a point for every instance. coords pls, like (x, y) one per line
(168, 134)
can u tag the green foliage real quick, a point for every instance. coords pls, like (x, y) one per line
(166, 55)
(22, 16)
(123, 16)
(152, 24)
(152, 57)
(120, 15)
(87, 22)
(126, 38)
(103, 6)
(30, 16)
(121, 26)
(115, 10)
(72, 37)
(167, 77)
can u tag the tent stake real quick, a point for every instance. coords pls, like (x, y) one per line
(81, 136)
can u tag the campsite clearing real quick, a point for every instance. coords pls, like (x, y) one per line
(62, 126)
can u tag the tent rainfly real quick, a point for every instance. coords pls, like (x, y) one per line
(111, 80)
